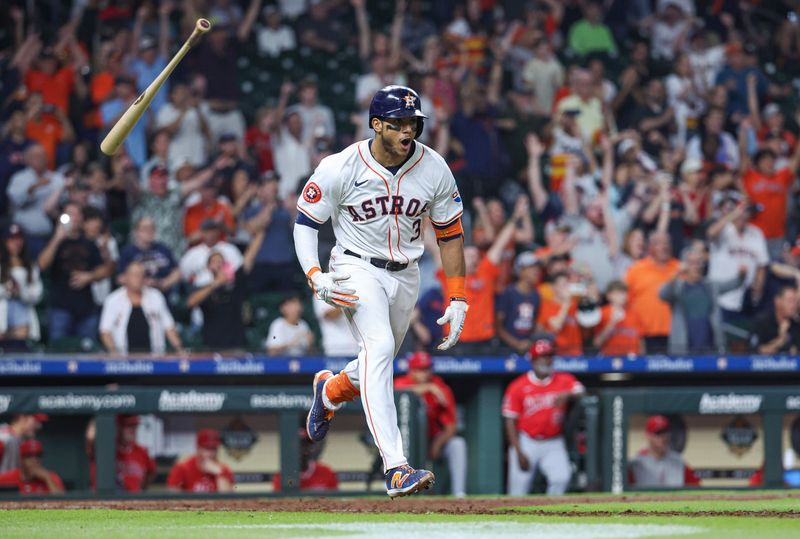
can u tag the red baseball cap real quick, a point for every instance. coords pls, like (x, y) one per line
(420, 360)
(542, 346)
(41, 418)
(208, 439)
(127, 420)
(656, 424)
(30, 448)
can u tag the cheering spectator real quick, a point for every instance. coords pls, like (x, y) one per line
(534, 405)
(482, 273)
(314, 475)
(319, 32)
(712, 144)
(516, 308)
(770, 188)
(317, 118)
(275, 262)
(209, 208)
(28, 190)
(20, 427)
(220, 293)
(337, 339)
(194, 261)
(20, 289)
(669, 29)
(619, 331)
(491, 217)
(644, 279)
(74, 263)
(202, 472)
(49, 126)
(544, 74)
(184, 121)
(440, 407)
(583, 104)
(161, 270)
(735, 243)
(778, 331)
(135, 317)
(558, 316)
(152, 57)
(292, 154)
(590, 34)
(693, 299)
(31, 477)
(658, 465)
(289, 334)
(274, 37)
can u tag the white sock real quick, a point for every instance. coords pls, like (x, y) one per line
(327, 402)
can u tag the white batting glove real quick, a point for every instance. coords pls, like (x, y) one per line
(327, 288)
(455, 314)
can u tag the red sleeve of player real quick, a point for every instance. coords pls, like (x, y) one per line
(57, 480)
(226, 472)
(276, 482)
(402, 382)
(690, 478)
(512, 403)
(9, 478)
(576, 386)
(176, 477)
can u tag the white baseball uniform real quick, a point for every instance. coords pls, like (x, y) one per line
(378, 214)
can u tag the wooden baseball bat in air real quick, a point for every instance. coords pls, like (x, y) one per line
(123, 127)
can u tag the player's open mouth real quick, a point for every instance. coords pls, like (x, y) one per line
(405, 143)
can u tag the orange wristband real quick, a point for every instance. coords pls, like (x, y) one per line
(456, 288)
(312, 271)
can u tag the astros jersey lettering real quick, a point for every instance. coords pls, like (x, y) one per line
(376, 213)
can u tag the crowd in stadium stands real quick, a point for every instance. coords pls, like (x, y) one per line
(628, 165)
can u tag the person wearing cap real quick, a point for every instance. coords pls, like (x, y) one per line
(734, 243)
(440, 408)
(210, 208)
(20, 288)
(272, 35)
(289, 334)
(619, 331)
(193, 264)
(30, 477)
(658, 465)
(693, 298)
(533, 410)
(21, 427)
(113, 109)
(136, 318)
(184, 120)
(202, 472)
(161, 269)
(516, 307)
(315, 476)
(558, 316)
(135, 468)
(772, 189)
(589, 117)
(152, 53)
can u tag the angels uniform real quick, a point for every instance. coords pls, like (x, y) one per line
(377, 220)
(531, 402)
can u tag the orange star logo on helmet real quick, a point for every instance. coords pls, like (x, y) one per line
(410, 101)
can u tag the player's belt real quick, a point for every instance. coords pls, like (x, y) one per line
(388, 265)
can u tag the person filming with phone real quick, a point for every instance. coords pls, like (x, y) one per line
(74, 263)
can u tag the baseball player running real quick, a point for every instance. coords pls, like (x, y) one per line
(376, 192)
(533, 408)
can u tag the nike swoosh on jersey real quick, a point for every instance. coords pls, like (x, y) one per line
(359, 184)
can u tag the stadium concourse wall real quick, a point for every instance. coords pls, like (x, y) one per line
(78, 386)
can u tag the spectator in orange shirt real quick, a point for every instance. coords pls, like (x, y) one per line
(771, 189)
(48, 125)
(210, 207)
(619, 331)
(559, 317)
(644, 279)
(480, 285)
(55, 82)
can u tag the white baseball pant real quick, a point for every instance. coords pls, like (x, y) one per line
(550, 456)
(455, 452)
(379, 324)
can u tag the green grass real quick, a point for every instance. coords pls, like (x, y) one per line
(116, 524)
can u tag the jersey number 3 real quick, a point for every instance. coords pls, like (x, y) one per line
(417, 231)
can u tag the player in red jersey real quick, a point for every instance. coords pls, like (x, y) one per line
(533, 407)
(314, 475)
(202, 472)
(440, 406)
(31, 477)
(135, 467)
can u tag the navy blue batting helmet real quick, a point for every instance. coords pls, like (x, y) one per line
(397, 102)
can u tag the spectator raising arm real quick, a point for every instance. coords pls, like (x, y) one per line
(535, 187)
